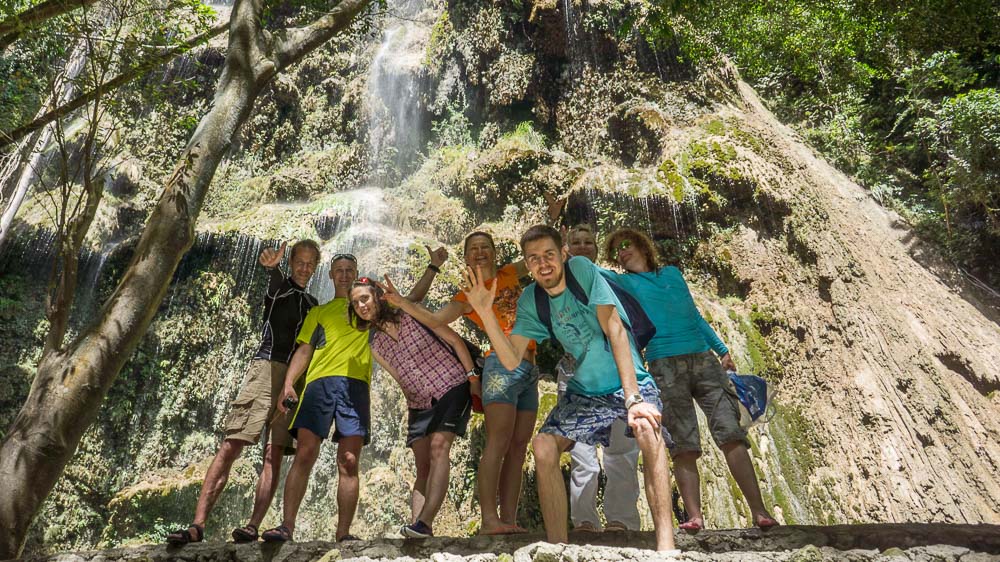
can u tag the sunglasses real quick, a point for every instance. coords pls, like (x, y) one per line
(344, 257)
(623, 245)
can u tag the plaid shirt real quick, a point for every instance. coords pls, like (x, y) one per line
(425, 369)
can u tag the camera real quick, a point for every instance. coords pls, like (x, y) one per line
(289, 402)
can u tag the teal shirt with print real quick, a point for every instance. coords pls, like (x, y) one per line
(576, 327)
(680, 328)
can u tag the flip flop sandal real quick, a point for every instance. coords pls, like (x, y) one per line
(245, 534)
(348, 537)
(765, 522)
(690, 526)
(277, 534)
(185, 536)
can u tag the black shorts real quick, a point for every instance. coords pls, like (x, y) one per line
(331, 400)
(450, 413)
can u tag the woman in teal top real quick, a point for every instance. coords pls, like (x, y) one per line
(687, 372)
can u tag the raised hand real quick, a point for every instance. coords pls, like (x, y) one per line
(270, 258)
(480, 298)
(564, 234)
(390, 293)
(438, 256)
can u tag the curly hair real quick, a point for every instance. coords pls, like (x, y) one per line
(643, 244)
(383, 314)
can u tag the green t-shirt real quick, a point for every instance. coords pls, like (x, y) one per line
(340, 350)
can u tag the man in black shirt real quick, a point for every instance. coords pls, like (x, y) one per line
(252, 414)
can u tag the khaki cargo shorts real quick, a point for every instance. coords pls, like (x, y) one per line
(254, 409)
(697, 377)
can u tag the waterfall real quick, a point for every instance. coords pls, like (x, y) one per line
(360, 221)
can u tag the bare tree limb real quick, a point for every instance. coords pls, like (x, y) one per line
(12, 27)
(145, 66)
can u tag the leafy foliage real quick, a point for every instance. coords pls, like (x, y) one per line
(900, 94)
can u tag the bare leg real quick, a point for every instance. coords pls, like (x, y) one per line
(740, 465)
(437, 482)
(512, 471)
(689, 484)
(551, 489)
(306, 452)
(657, 479)
(422, 456)
(216, 478)
(348, 482)
(500, 420)
(267, 483)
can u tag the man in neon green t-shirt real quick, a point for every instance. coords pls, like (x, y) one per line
(339, 362)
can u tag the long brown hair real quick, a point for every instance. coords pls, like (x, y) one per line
(643, 244)
(383, 313)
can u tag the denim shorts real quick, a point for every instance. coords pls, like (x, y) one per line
(588, 419)
(518, 387)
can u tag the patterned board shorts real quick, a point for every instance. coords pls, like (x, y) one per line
(588, 419)
(518, 387)
(256, 407)
(697, 377)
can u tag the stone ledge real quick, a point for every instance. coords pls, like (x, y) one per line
(911, 541)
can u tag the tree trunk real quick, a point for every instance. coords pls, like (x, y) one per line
(71, 384)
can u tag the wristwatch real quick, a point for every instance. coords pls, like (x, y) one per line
(472, 375)
(633, 400)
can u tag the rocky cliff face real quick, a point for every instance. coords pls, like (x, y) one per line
(462, 115)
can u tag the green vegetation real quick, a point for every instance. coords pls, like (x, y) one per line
(903, 96)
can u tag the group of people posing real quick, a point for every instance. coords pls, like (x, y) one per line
(626, 391)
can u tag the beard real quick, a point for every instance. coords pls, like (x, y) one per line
(551, 282)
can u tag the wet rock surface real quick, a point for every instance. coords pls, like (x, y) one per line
(906, 541)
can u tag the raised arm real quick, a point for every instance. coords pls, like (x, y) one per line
(621, 348)
(419, 291)
(444, 315)
(270, 259)
(509, 350)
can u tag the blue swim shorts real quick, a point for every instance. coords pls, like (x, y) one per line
(518, 387)
(342, 401)
(588, 419)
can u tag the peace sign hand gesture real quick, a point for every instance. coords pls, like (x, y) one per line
(270, 258)
(391, 294)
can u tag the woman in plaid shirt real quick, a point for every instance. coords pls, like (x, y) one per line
(432, 367)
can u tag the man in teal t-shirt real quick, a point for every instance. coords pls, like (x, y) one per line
(610, 382)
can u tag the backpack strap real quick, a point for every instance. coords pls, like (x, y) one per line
(574, 286)
(543, 308)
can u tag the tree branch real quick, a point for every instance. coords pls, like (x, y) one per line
(7, 139)
(12, 27)
(295, 43)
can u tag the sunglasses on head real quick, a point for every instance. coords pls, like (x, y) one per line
(623, 245)
(344, 257)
